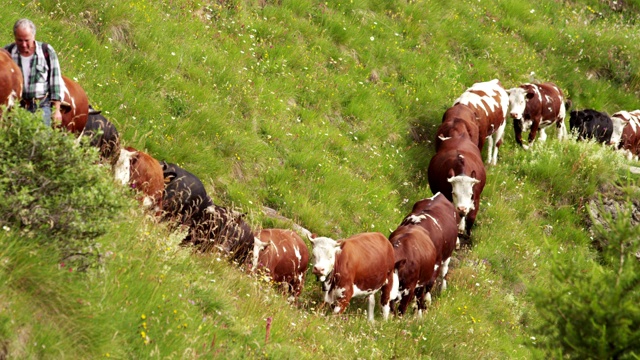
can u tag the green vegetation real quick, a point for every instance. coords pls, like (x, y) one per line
(324, 111)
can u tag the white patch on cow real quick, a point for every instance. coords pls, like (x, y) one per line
(386, 309)
(258, 245)
(336, 309)
(484, 102)
(444, 138)
(619, 120)
(420, 313)
(414, 219)
(435, 221)
(325, 251)
(462, 192)
(436, 267)
(428, 298)
(148, 202)
(331, 296)
(462, 225)
(457, 242)
(395, 287)
(11, 100)
(444, 272)
(296, 251)
(517, 102)
(122, 170)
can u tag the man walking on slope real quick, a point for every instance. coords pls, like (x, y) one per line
(43, 84)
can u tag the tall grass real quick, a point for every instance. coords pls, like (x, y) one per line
(324, 111)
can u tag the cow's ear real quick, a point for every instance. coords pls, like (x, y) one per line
(529, 95)
(169, 176)
(473, 174)
(311, 237)
(451, 173)
(163, 165)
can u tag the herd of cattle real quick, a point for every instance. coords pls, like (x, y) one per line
(403, 266)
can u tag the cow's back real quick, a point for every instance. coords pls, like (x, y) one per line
(440, 219)
(10, 81)
(365, 260)
(456, 121)
(146, 176)
(489, 102)
(74, 116)
(286, 256)
(551, 103)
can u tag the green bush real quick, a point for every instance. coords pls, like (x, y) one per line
(588, 309)
(53, 186)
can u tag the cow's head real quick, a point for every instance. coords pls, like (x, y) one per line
(518, 98)
(122, 169)
(324, 256)
(462, 191)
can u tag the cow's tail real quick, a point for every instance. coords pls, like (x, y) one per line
(394, 294)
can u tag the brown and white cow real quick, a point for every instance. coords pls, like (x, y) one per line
(11, 81)
(413, 246)
(142, 173)
(439, 217)
(358, 266)
(283, 255)
(534, 107)
(489, 102)
(74, 106)
(626, 133)
(457, 172)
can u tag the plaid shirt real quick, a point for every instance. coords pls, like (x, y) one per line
(42, 81)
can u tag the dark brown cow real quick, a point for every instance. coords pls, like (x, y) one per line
(413, 246)
(358, 266)
(534, 107)
(74, 106)
(439, 217)
(457, 171)
(142, 173)
(457, 120)
(11, 81)
(103, 135)
(489, 102)
(219, 229)
(283, 255)
(626, 133)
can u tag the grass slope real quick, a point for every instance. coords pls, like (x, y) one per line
(325, 112)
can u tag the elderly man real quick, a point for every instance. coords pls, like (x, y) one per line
(43, 84)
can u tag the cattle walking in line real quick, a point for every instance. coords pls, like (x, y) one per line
(142, 173)
(457, 171)
(283, 255)
(413, 247)
(534, 107)
(489, 102)
(358, 266)
(439, 217)
(591, 124)
(103, 135)
(74, 106)
(626, 133)
(11, 82)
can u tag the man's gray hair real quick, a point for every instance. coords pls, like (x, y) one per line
(25, 23)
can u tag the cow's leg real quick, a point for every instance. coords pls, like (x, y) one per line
(490, 149)
(497, 141)
(562, 130)
(443, 273)
(406, 300)
(462, 225)
(517, 128)
(372, 306)
(385, 296)
(343, 300)
(421, 295)
(534, 132)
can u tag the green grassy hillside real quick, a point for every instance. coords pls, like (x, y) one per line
(325, 112)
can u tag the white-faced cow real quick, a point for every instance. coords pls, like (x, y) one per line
(489, 102)
(142, 173)
(457, 172)
(358, 266)
(283, 255)
(439, 217)
(412, 245)
(591, 124)
(626, 133)
(103, 135)
(534, 107)
(10, 81)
